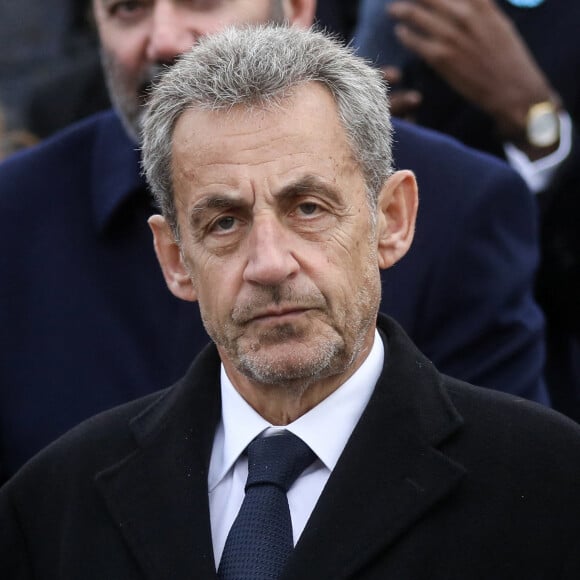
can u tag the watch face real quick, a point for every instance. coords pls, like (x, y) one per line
(543, 127)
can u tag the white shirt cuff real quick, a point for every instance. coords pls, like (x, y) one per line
(538, 174)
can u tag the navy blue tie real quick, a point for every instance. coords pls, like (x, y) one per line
(260, 539)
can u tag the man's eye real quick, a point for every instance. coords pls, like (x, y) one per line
(224, 224)
(308, 209)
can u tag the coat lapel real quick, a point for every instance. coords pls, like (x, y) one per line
(158, 495)
(391, 472)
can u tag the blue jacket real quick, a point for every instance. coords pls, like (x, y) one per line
(87, 322)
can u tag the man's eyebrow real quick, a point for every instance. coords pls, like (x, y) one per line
(216, 201)
(308, 184)
(212, 202)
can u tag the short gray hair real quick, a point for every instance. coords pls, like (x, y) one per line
(260, 66)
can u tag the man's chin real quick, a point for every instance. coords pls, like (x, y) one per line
(288, 362)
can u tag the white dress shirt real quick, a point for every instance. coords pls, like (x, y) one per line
(325, 429)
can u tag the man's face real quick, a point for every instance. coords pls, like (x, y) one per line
(140, 37)
(277, 238)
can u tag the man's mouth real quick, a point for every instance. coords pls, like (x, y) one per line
(275, 314)
(278, 314)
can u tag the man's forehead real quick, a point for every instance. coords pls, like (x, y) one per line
(309, 102)
(308, 115)
(221, 151)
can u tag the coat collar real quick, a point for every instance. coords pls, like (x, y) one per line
(390, 473)
(115, 174)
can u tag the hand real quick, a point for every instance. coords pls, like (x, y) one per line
(474, 46)
(403, 102)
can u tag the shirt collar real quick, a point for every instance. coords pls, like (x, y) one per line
(115, 174)
(325, 429)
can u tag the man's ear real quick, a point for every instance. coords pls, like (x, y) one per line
(176, 275)
(300, 12)
(397, 212)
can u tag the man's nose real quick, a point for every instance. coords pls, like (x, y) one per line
(170, 33)
(272, 257)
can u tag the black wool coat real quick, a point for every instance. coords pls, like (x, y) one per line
(439, 480)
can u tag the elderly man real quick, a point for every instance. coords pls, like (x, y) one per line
(309, 422)
(88, 322)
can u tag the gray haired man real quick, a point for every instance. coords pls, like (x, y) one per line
(268, 150)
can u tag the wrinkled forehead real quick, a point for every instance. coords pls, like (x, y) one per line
(298, 145)
(305, 113)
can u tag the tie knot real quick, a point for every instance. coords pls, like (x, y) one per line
(277, 460)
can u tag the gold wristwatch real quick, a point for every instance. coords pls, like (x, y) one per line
(543, 125)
